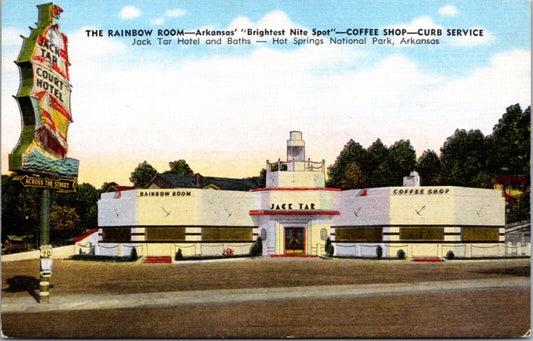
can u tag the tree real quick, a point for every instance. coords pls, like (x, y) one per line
(376, 167)
(180, 167)
(352, 152)
(401, 161)
(463, 158)
(510, 143)
(64, 224)
(105, 186)
(83, 201)
(142, 175)
(20, 210)
(353, 177)
(261, 180)
(429, 168)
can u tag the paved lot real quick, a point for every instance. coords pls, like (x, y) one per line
(336, 298)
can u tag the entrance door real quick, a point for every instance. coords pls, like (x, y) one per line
(295, 240)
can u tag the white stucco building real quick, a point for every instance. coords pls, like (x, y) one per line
(295, 214)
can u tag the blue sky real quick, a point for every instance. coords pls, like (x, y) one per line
(221, 106)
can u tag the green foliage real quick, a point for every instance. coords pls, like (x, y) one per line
(257, 248)
(275, 167)
(511, 143)
(20, 210)
(64, 224)
(400, 254)
(329, 247)
(142, 175)
(84, 201)
(430, 169)
(379, 252)
(378, 166)
(71, 214)
(180, 167)
(353, 152)
(259, 180)
(400, 161)
(179, 255)
(106, 185)
(133, 254)
(100, 258)
(450, 255)
(353, 177)
(463, 157)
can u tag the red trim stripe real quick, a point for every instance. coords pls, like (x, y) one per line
(281, 212)
(85, 235)
(296, 189)
(293, 256)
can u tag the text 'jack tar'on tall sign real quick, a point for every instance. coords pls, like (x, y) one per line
(44, 103)
(39, 158)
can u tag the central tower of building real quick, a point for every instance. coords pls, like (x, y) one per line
(294, 211)
(296, 172)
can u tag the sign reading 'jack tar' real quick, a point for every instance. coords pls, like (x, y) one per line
(61, 185)
(44, 100)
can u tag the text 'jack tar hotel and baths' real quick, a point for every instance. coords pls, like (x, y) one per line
(296, 214)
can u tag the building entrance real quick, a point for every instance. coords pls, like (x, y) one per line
(294, 240)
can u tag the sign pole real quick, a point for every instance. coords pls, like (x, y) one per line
(46, 248)
(39, 158)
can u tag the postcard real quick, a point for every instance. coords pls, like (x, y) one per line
(265, 169)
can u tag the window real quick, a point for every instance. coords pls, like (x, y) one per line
(480, 234)
(413, 234)
(116, 234)
(165, 233)
(226, 234)
(359, 234)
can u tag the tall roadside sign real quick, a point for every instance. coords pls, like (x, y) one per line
(39, 158)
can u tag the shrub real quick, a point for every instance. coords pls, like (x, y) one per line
(400, 254)
(379, 252)
(329, 247)
(257, 248)
(86, 257)
(133, 254)
(178, 255)
(450, 255)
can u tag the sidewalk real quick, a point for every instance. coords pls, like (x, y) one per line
(11, 305)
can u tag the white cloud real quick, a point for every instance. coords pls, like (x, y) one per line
(473, 40)
(448, 10)
(158, 21)
(129, 12)
(272, 91)
(476, 99)
(423, 22)
(175, 13)
(93, 49)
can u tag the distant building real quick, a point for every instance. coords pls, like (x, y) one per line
(169, 180)
(295, 214)
(513, 186)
